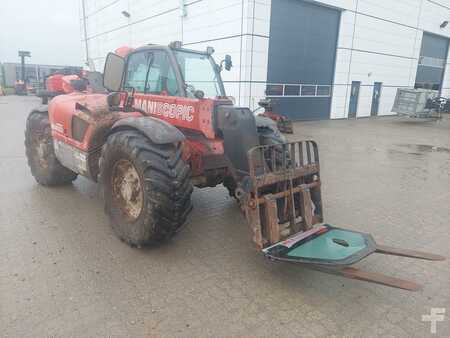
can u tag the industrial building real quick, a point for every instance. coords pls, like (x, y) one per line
(314, 59)
(35, 74)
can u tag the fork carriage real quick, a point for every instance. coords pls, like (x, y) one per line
(285, 195)
(283, 205)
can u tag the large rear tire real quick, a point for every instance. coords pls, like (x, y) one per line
(147, 188)
(44, 165)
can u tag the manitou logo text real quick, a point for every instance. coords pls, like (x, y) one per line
(172, 111)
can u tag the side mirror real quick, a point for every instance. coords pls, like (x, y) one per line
(113, 99)
(228, 62)
(113, 72)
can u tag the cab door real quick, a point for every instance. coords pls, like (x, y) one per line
(150, 72)
(354, 98)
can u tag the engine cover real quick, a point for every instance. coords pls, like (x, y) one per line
(238, 127)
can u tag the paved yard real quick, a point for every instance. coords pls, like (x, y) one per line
(63, 273)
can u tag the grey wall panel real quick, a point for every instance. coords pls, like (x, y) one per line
(429, 75)
(303, 108)
(434, 46)
(302, 49)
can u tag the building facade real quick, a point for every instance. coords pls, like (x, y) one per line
(314, 59)
(35, 74)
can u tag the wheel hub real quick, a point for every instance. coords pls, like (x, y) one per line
(127, 189)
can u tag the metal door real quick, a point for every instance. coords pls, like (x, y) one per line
(354, 96)
(376, 98)
(302, 51)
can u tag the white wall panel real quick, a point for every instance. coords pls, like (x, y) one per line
(209, 19)
(432, 16)
(387, 100)
(346, 29)
(377, 35)
(342, 66)
(404, 12)
(339, 102)
(379, 40)
(159, 30)
(107, 19)
(344, 4)
(369, 68)
(143, 9)
(257, 17)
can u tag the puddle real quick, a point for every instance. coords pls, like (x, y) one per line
(418, 149)
(395, 151)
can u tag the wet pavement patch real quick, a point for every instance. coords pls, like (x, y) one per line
(419, 149)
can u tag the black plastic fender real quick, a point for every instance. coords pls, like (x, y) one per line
(268, 129)
(158, 131)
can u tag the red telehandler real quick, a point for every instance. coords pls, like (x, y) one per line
(67, 81)
(163, 125)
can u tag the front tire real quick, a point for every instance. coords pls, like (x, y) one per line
(147, 188)
(44, 165)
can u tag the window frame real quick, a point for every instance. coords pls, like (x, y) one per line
(171, 62)
(211, 60)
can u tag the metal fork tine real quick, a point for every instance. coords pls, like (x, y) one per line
(387, 250)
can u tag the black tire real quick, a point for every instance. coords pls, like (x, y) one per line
(147, 188)
(44, 165)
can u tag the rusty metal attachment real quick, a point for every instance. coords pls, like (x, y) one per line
(284, 195)
(283, 205)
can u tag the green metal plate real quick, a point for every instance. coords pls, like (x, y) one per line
(324, 245)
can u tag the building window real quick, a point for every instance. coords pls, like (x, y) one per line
(293, 90)
(308, 90)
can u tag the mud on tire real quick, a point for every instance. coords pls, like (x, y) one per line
(44, 165)
(147, 188)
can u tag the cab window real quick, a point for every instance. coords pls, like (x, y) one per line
(150, 72)
(137, 71)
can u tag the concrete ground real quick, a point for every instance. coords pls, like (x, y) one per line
(63, 273)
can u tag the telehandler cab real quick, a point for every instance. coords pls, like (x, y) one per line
(165, 125)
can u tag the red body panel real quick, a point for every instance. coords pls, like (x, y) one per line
(59, 83)
(192, 115)
(62, 109)
(182, 112)
(123, 51)
(54, 83)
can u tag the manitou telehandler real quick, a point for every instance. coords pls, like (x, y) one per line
(165, 125)
(69, 80)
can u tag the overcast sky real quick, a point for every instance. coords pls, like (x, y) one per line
(49, 29)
